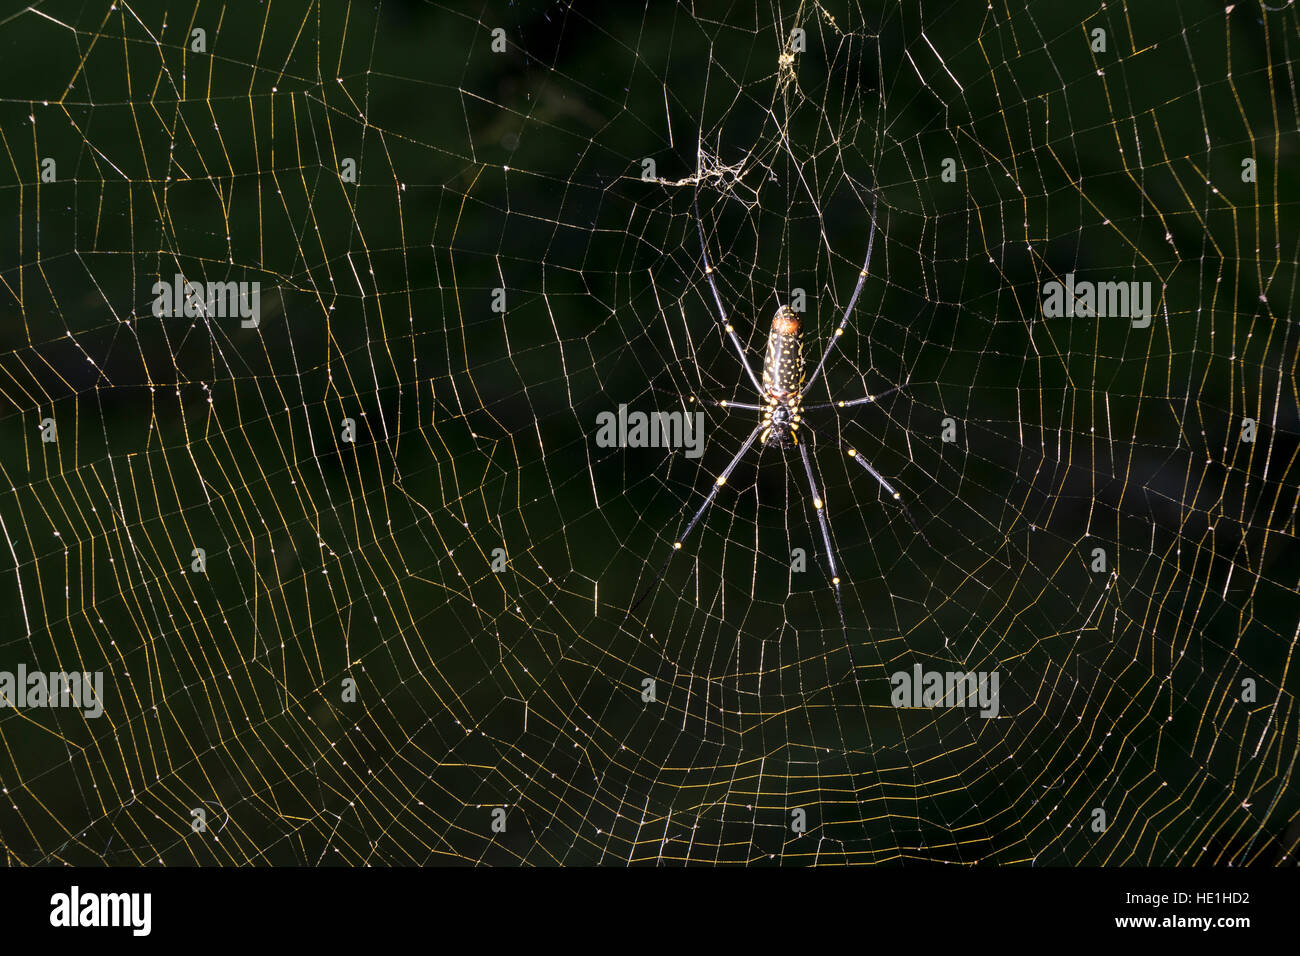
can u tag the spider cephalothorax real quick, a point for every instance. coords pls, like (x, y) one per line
(783, 377)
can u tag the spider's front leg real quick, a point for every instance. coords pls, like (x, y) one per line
(708, 500)
(820, 507)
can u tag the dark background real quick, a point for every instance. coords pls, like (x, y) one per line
(523, 170)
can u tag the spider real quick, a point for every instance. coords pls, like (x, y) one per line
(782, 390)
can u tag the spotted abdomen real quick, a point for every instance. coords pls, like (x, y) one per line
(783, 366)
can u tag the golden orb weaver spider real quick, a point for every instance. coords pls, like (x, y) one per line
(782, 390)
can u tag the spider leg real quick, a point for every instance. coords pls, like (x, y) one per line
(713, 493)
(723, 403)
(857, 401)
(893, 493)
(853, 300)
(717, 296)
(820, 507)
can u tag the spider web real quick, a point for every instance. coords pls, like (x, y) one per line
(373, 563)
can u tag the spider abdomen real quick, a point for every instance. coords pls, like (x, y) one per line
(783, 365)
(783, 376)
